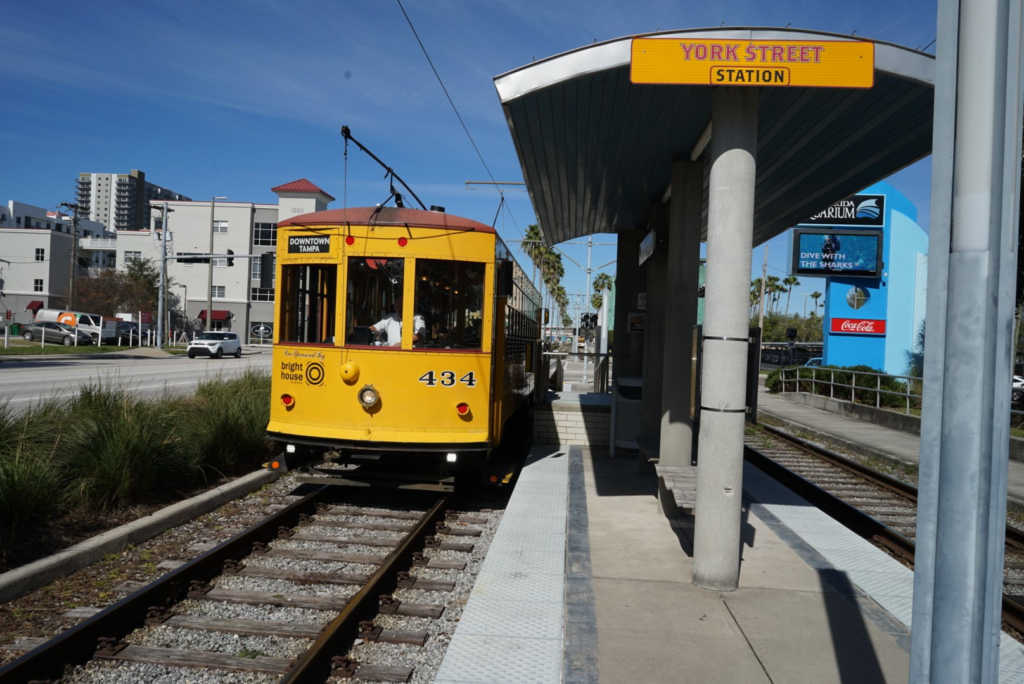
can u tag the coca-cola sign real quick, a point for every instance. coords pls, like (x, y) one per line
(858, 326)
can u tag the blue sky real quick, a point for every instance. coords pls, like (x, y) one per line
(232, 98)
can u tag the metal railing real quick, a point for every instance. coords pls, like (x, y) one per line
(600, 370)
(796, 378)
(97, 243)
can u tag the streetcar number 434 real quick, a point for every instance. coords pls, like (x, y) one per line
(447, 379)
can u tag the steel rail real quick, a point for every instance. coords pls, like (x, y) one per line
(339, 635)
(78, 644)
(881, 479)
(860, 522)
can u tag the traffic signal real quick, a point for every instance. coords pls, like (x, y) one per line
(593, 321)
(267, 270)
(588, 321)
(186, 258)
(231, 262)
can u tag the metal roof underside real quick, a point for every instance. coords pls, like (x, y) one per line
(596, 150)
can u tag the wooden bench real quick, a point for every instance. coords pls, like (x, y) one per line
(677, 488)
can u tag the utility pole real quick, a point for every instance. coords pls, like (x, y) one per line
(208, 324)
(586, 302)
(74, 251)
(161, 307)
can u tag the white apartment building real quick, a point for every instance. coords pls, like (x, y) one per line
(35, 258)
(35, 254)
(244, 228)
(120, 201)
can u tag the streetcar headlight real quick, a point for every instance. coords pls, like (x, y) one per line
(368, 396)
(451, 458)
(290, 448)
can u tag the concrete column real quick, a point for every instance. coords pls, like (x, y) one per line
(965, 417)
(627, 271)
(716, 542)
(654, 347)
(636, 342)
(681, 282)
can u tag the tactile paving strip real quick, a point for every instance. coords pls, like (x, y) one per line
(511, 628)
(500, 660)
(889, 583)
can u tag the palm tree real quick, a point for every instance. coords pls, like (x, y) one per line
(772, 289)
(790, 282)
(815, 296)
(755, 295)
(533, 246)
(602, 282)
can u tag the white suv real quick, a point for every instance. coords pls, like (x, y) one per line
(215, 345)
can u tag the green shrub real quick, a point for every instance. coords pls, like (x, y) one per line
(106, 448)
(229, 426)
(124, 453)
(30, 491)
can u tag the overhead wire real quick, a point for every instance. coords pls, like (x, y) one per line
(458, 116)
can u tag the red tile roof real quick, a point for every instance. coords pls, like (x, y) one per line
(301, 185)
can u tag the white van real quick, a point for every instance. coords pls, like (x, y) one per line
(101, 329)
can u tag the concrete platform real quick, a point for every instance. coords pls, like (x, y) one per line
(608, 596)
(867, 438)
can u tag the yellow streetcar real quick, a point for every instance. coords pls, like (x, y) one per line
(399, 332)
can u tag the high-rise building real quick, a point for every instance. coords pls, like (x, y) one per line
(120, 201)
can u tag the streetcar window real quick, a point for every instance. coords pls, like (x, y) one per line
(307, 294)
(374, 285)
(450, 297)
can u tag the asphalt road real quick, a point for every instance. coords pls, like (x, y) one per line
(24, 383)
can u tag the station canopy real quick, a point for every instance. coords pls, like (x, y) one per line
(595, 149)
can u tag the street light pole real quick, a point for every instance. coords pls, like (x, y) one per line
(74, 253)
(163, 278)
(208, 323)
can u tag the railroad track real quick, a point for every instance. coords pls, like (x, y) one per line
(876, 506)
(313, 579)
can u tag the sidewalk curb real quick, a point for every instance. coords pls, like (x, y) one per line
(20, 581)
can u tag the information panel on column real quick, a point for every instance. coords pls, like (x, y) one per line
(819, 63)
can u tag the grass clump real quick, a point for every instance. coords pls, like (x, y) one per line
(105, 449)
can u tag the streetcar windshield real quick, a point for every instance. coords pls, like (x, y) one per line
(450, 297)
(307, 296)
(373, 290)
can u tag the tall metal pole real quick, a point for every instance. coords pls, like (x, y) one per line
(586, 302)
(764, 277)
(208, 323)
(74, 254)
(164, 219)
(968, 360)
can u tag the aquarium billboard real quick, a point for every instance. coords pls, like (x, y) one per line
(846, 253)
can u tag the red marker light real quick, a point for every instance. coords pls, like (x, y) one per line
(288, 400)
(463, 409)
(349, 240)
(275, 465)
(403, 241)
